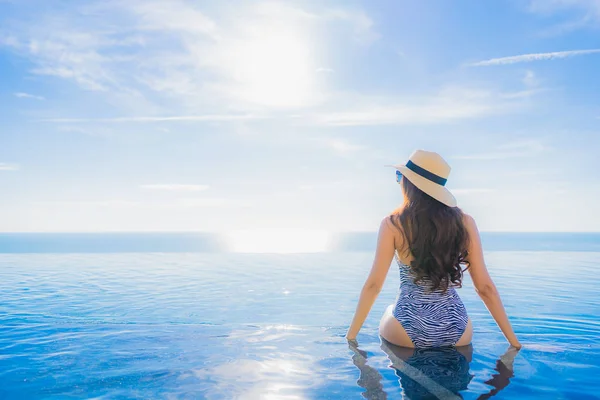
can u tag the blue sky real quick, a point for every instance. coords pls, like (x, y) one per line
(220, 116)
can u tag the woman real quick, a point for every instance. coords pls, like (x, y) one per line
(431, 239)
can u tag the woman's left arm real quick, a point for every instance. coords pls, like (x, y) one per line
(376, 278)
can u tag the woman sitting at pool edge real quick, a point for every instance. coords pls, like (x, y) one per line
(431, 238)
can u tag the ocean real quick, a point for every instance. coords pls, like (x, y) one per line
(179, 316)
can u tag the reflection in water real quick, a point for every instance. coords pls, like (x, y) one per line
(370, 378)
(431, 373)
(260, 369)
(504, 369)
(440, 373)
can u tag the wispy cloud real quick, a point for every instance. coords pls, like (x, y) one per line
(197, 118)
(167, 60)
(530, 79)
(450, 104)
(175, 56)
(175, 187)
(148, 205)
(576, 14)
(515, 149)
(207, 202)
(523, 94)
(9, 167)
(88, 203)
(23, 95)
(340, 146)
(524, 58)
(469, 191)
(361, 23)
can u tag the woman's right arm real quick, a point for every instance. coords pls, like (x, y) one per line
(484, 285)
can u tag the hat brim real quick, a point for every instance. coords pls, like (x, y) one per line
(438, 192)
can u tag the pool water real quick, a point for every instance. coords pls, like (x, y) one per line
(257, 326)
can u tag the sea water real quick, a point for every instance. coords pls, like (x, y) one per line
(217, 325)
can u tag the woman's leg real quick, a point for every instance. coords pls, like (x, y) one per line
(466, 351)
(467, 335)
(392, 331)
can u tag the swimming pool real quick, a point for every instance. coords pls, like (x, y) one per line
(248, 326)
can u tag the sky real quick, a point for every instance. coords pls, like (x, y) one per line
(243, 115)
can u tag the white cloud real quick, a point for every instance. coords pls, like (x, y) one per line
(9, 40)
(573, 15)
(61, 51)
(207, 202)
(175, 187)
(515, 149)
(9, 167)
(174, 16)
(469, 191)
(145, 205)
(22, 95)
(340, 146)
(530, 79)
(175, 56)
(88, 203)
(578, 13)
(253, 62)
(523, 94)
(361, 23)
(450, 104)
(533, 57)
(173, 118)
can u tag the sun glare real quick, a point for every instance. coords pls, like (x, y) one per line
(273, 66)
(279, 241)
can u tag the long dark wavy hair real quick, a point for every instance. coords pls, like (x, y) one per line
(435, 235)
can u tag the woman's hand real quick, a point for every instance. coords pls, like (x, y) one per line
(509, 355)
(351, 340)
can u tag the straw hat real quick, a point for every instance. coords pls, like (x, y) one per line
(429, 172)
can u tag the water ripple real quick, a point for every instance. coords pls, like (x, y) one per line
(222, 326)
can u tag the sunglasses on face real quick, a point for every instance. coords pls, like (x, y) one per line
(398, 176)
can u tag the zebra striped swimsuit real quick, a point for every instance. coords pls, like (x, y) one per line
(431, 319)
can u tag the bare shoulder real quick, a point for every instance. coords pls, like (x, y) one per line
(391, 230)
(390, 224)
(386, 222)
(469, 222)
(473, 234)
(386, 226)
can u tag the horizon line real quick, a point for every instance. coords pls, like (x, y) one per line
(249, 230)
